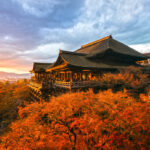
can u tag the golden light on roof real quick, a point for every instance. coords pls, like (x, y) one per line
(94, 42)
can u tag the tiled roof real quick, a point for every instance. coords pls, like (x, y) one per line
(102, 45)
(39, 67)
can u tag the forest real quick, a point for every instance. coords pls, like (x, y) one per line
(115, 117)
(12, 95)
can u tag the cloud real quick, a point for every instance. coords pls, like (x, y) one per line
(43, 8)
(123, 19)
(20, 22)
(35, 30)
(45, 52)
(143, 48)
(9, 39)
(39, 7)
(12, 64)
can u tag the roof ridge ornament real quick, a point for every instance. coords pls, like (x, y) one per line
(94, 42)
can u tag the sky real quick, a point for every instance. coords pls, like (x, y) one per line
(35, 30)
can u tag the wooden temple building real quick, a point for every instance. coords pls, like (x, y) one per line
(83, 68)
(145, 62)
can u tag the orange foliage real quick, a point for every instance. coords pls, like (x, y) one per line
(17, 90)
(132, 78)
(82, 121)
(11, 96)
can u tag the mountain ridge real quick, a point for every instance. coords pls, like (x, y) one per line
(13, 76)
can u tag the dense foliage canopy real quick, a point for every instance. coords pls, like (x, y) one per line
(11, 96)
(117, 117)
(133, 79)
(82, 120)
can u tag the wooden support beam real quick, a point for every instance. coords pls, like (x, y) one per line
(71, 76)
(64, 76)
(80, 76)
(90, 76)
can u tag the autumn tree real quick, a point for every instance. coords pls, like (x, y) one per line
(85, 121)
(12, 95)
(132, 78)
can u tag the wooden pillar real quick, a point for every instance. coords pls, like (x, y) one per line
(64, 76)
(81, 76)
(37, 76)
(89, 75)
(55, 75)
(85, 75)
(61, 76)
(71, 76)
(67, 76)
(78, 76)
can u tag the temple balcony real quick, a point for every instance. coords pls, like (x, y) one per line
(76, 84)
(37, 85)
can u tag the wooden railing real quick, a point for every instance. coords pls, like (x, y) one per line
(40, 85)
(47, 84)
(77, 84)
(35, 85)
(63, 84)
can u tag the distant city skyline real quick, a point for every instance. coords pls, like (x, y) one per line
(35, 30)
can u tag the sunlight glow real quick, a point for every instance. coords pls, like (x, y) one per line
(12, 70)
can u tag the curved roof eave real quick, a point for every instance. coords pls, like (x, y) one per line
(55, 65)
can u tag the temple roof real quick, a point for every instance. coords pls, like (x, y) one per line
(106, 53)
(40, 67)
(102, 45)
(81, 60)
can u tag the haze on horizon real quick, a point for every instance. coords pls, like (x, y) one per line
(35, 30)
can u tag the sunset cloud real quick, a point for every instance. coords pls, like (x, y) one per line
(35, 30)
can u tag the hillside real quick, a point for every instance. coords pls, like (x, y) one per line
(82, 121)
(13, 76)
(12, 95)
(116, 116)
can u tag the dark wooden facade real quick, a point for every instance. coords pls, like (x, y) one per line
(83, 68)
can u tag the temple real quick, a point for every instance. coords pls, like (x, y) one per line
(84, 67)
